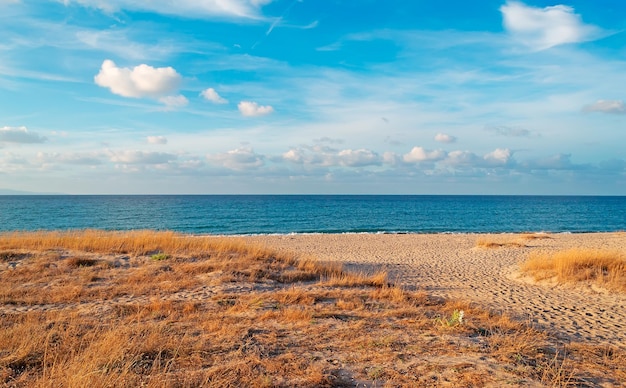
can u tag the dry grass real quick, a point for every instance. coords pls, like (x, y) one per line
(535, 236)
(94, 309)
(606, 269)
(506, 241)
(482, 242)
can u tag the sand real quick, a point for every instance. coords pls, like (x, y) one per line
(453, 267)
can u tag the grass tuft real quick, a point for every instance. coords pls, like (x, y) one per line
(487, 243)
(603, 268)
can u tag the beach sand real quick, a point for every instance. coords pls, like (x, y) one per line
(453, 266)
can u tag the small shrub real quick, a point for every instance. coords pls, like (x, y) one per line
(159, 256)
(78, 262)
(456, 319)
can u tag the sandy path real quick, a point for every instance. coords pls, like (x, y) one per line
(452, 266)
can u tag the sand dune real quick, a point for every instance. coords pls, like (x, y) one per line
(453, 266)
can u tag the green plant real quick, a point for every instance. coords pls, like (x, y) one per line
(159, 256)
(455, 319)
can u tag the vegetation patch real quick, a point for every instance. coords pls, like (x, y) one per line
(224, 313)
(487, 243)
(603, 268)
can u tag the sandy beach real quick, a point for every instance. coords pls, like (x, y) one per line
(454, 266)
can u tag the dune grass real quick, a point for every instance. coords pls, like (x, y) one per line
(510, 241)
(483, 242)
(95, 309)
(604, 268)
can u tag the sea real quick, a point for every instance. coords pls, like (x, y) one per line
(288, 214)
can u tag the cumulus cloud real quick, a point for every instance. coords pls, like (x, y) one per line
(542, 28)
(140, 81)
(211, 95)
(419, 154)
(443, 138)
(463, 159)
(358, 158)
(498, 157)
(188, 8)
(317, 155)
(156, 140)
(141, 157)
(20, 135)
(252, 109)
(607, 106)
(324, 156)
(238, 159)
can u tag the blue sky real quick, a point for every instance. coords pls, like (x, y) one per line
(304, 96)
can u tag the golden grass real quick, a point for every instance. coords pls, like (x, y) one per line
(534, 236)
(483, 242)
(507, 241)
(94, 309)
(604, 268)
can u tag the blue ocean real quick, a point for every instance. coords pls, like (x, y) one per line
(284, 214)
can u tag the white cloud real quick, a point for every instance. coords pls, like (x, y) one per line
(419, 154)
(607, 106)
(211, 95)
(252, 109)
(498, 157)
(294, 156)
(462, 159)
(140, 81)
(443, 138)
(542, 28)
(238, 159)
(317, 155)
(188, 8)
(555, 162)
(20, 135)
(85, 159)
(156, 140)
(320, 155)
(118, 42)
(173, 102)
(358, 158)
(509, 131)
(141, 157)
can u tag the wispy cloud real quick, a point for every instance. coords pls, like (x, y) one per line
(20, 135)
(503, 130)
(443, 138)
(543, 28)
(81, 159)
(607, 106)
(196, 9)
(156, 140)
(140, 157)
(173, 102)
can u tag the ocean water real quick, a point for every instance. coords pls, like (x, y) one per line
(283, 214)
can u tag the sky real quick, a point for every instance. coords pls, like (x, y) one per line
(313, 97)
